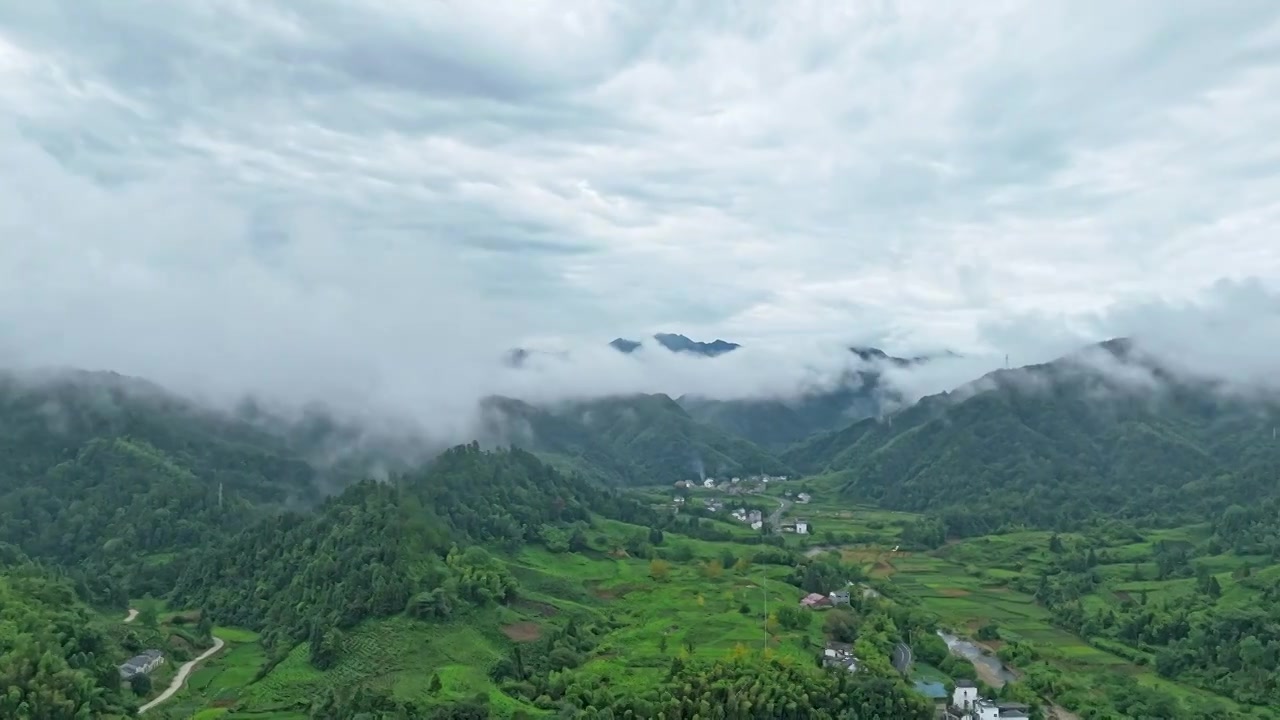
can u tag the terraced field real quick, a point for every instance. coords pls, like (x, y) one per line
(697, 609)
(968, 585)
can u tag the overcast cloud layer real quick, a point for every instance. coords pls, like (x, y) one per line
(375, 198)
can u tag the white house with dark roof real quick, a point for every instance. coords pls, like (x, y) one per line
(839, 655)
(967, 705)
(142, 664)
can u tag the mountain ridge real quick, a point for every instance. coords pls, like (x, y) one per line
(1050, 444)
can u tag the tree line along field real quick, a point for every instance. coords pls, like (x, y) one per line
(973, 584)
(703, 603)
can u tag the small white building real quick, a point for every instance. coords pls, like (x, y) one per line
(966, 705)
(802, 527)
(804, 498)
(985, 710)
(677, 500)
(756, 525)
(709, 483)
(965, 695)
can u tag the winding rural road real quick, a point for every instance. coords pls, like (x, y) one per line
(902, 657)
(183, 672)
(775, 518)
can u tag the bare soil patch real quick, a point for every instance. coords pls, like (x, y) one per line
(522, 631)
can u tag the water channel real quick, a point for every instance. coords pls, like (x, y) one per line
(989, 667)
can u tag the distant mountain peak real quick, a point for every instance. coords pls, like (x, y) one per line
(678, 343)
(625, 345)
(871, 354)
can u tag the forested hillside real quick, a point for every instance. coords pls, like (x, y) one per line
(116, 480)
(53, 662)
(1055, 444)
(631, 440)
(379, 548)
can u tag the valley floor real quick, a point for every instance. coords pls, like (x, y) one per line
(704, 606)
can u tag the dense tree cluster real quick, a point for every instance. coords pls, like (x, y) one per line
(54, 664)
(752, 687)
(364, 703)
(382, 548)
(530, 666)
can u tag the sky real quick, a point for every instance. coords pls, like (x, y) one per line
(377, 197)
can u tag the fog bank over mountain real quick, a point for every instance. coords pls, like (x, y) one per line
(430, 384)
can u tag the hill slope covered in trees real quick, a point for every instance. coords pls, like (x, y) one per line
(117, 480)
(53, 662)
(629, 440)
(1102, 432)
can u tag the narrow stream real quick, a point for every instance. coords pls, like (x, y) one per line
(989, 667)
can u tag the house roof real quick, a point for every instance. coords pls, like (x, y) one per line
(966, 684)
(143, 658)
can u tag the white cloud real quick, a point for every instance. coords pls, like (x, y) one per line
(367, 197)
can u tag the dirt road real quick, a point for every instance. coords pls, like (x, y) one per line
(184, 671)
(181, 678)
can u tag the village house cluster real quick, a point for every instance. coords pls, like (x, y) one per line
(734, 484)
(740, 486)
(754, 518)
